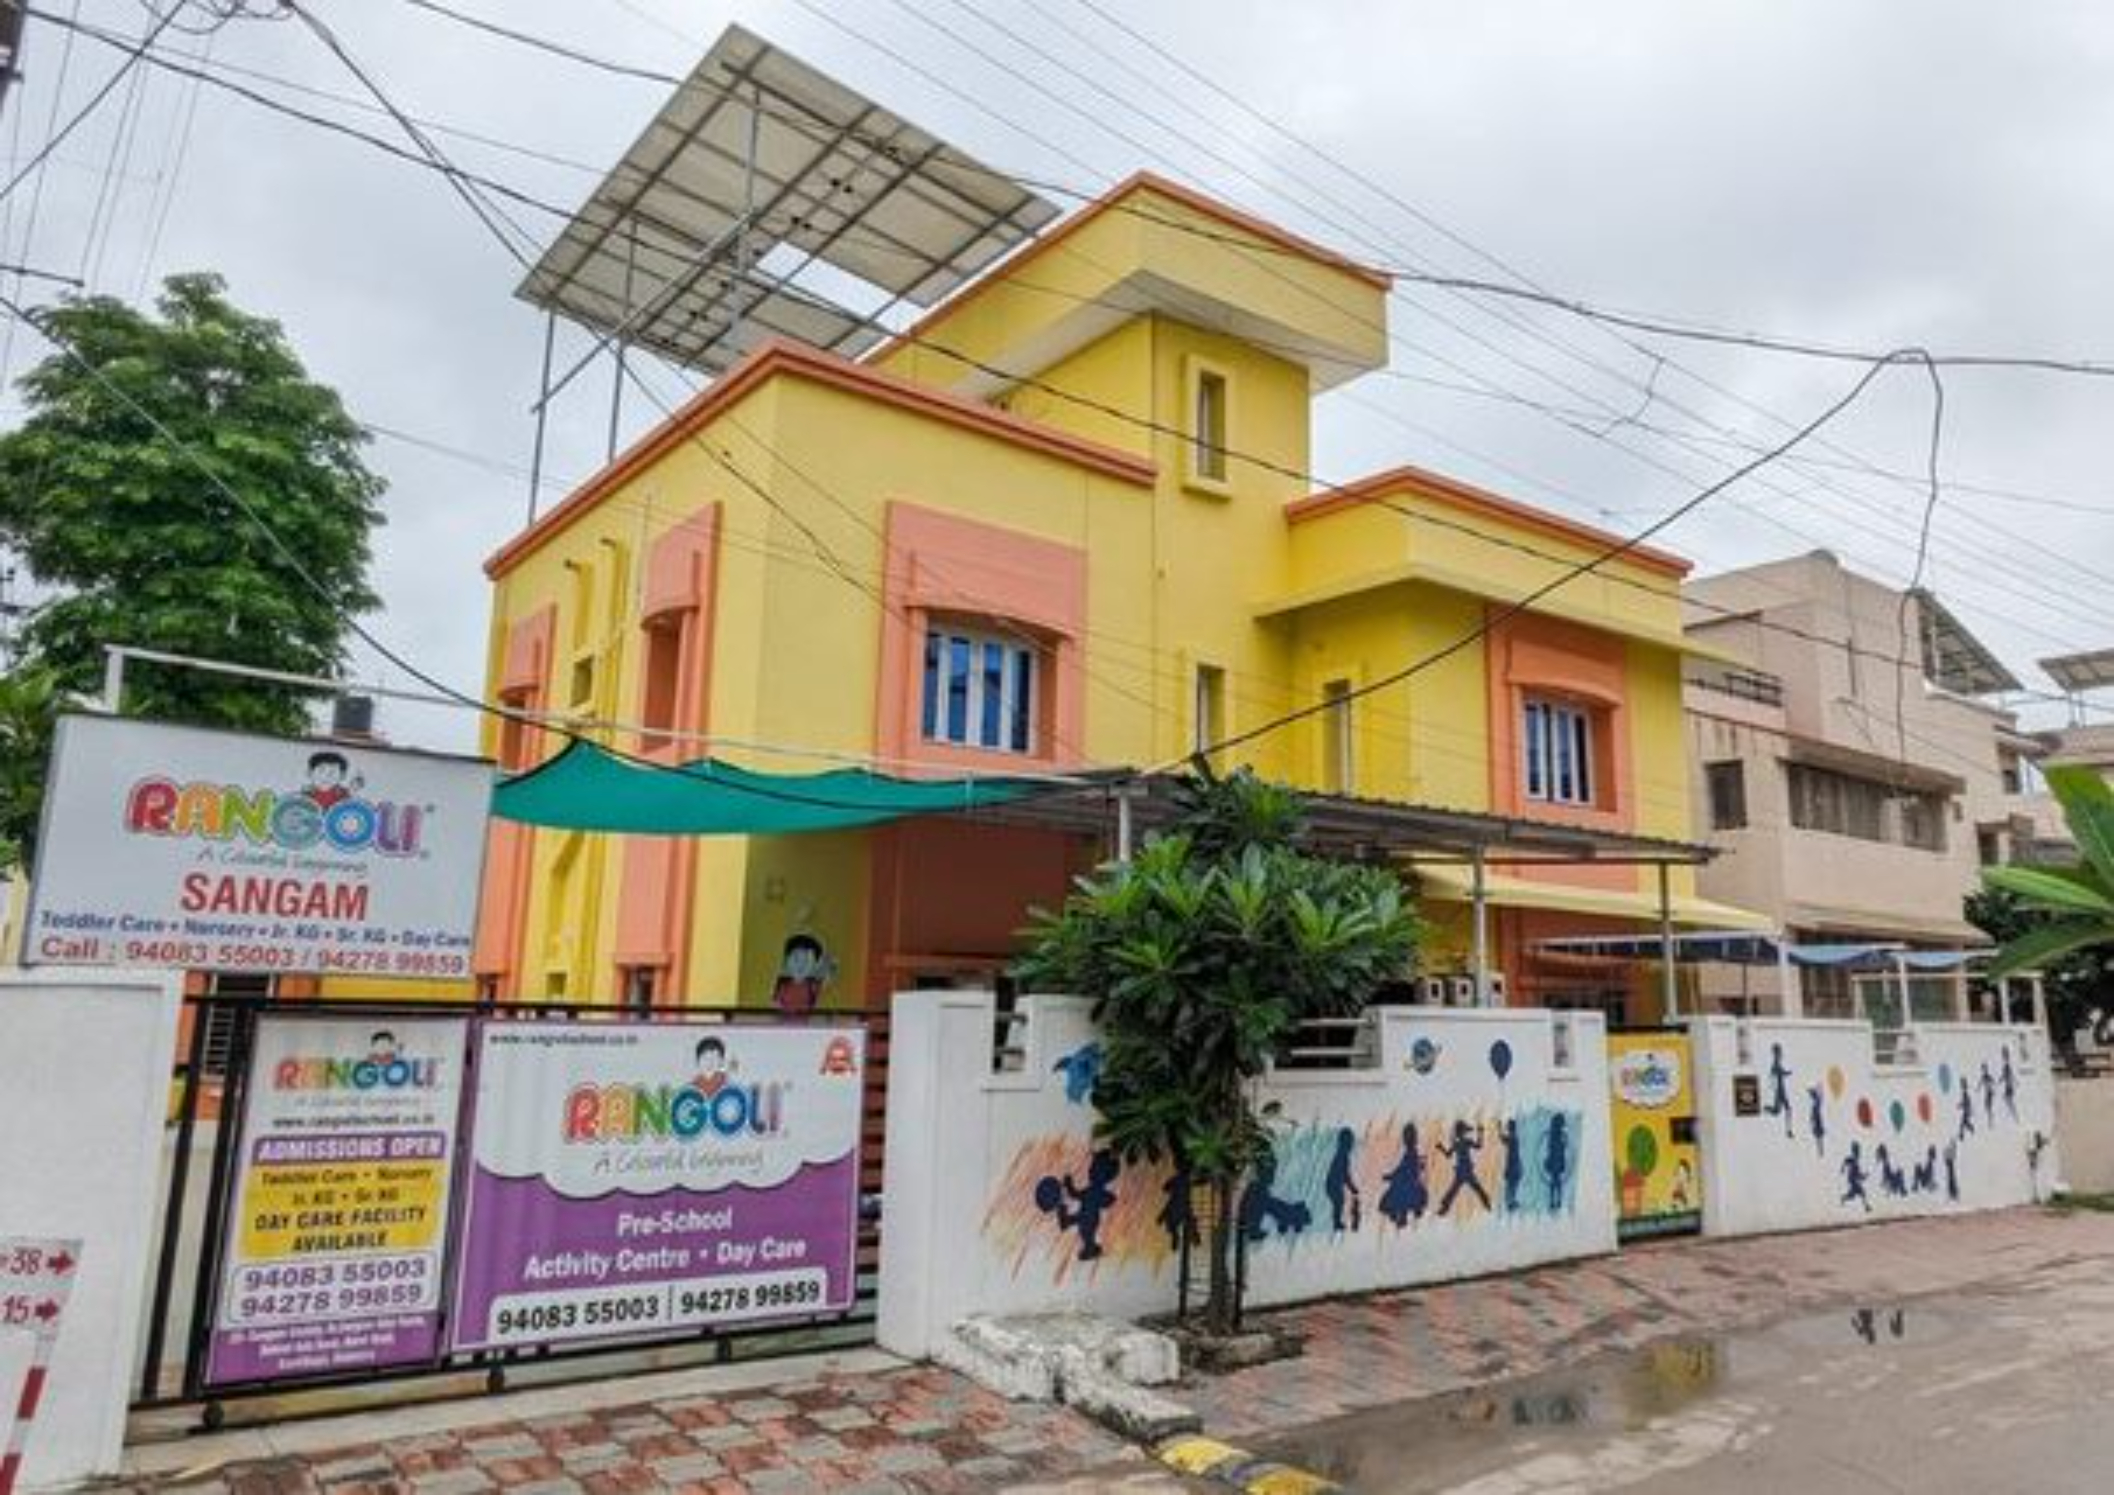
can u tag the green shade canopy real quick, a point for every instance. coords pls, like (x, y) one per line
(588, 788)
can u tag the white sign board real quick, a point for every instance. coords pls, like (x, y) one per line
(187, 848)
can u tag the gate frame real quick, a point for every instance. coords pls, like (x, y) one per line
(247, 1009)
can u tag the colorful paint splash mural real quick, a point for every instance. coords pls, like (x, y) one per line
(1065, 1206)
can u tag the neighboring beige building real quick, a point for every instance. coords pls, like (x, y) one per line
(1844, 764)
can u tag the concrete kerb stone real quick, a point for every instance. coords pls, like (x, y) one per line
(1102, 1367)
(1237, 1469)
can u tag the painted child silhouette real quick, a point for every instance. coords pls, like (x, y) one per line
(1556, 1158)
(1260, 1208)
(1340, 1187)
(1467, 1142)
(2010, 1087)
(1817, 1121)
(1952, 1172)
(1967, 1107)
(1924, 1179)
(1780, 1088)
(1089, 1201)
(1891, 1177)
(1989, 1095)
(1515, 1170)
(1405, 1196)
(1854, 1178)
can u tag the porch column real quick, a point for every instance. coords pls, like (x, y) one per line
(1479, 924)
(1960, 1012)
(1123, 830)
(1791, 996)
(1669, 979)
(2038, 985)
(1901, 982)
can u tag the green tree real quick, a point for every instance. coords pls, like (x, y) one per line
(2073, 907)
(138, 546)
(1202, 955)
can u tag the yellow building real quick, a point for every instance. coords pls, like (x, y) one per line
(1062, 522)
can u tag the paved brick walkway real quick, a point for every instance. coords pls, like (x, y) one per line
(1368, 1352)
(925, 1429)
(913, 1429)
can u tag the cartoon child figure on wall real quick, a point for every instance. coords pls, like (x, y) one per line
(1461, 1151)
(1079, 1207)
(803, 970)
(331, 780)
(1780, 1088)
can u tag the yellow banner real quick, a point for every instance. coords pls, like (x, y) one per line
(328, 1209)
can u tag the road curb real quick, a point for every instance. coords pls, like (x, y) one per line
(1237, 1469)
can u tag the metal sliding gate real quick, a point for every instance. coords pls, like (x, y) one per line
(305, 1247)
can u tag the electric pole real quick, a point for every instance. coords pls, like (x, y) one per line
(12, 13)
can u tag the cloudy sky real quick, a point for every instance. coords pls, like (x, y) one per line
(1877, 176)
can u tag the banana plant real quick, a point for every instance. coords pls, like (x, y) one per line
(2076, 903)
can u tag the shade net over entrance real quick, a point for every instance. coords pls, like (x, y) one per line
(587, 788)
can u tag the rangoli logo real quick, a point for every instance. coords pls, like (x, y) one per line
(712, 1102)
(382, 1068)
(327, 810)
(1648, 1077)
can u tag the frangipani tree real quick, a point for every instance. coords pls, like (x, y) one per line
(2076, 903)
(1202, 955)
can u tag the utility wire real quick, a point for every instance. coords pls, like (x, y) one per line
(1512, 610)
(95, 100)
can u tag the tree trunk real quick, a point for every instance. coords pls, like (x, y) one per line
(1218, 1308)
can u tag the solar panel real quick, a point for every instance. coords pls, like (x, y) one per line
(754, 150)
(2078, 673)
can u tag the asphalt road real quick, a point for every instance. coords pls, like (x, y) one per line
(1983, 1392)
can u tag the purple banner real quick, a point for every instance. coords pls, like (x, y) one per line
(633, 1180)
(631, 1265)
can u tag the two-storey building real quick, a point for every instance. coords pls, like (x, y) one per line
(1064, 522)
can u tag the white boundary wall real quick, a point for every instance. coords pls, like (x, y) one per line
(1964, 1122)
(994, 1204)
(85, 1060)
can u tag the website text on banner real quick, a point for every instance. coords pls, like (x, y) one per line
(335, 1255)
(186, 848)
(633, 1179)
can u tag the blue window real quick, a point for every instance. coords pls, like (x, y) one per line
(1558, 752)
(979, 690)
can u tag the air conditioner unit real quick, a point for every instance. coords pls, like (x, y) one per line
(1463, 991)
(1431, 991)
(1495, 984)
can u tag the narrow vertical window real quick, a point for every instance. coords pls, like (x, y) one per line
(1021, 729)
(1337, 769)
(1208, 713)
(1208, 427)
(960, 678)
(929, 716)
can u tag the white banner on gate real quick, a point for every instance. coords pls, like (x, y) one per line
(189, 848)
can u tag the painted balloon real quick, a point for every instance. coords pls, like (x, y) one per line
(1864, 1112)
(1501, 1058)
(1945, 1078)
(1924, 1107)
(1898, 1114)
(1835, 1081)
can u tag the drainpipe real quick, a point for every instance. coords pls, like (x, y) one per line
(1669, 979)
(1123, 830)
(1479, 924)
(1902, 984)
